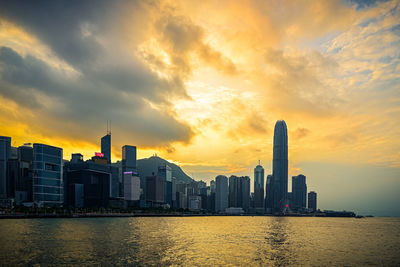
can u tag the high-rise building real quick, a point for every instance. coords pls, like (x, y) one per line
(5, 152)
(165, 172)
(106, 146)
(128, 158)
(280, 167)
(19, 172)
(299, 192)
(258, 186)
(212, 186)
(239, 192)
(131, 186)
(48, 187)
(234, 191)
(87, 184)
(221, 193)
(155, 190)
(269, 194)
(245, 192)
(312, 201)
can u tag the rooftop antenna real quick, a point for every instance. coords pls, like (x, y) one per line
(259, 162)
(109, 128)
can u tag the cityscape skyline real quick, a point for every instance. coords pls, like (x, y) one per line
(176, 83)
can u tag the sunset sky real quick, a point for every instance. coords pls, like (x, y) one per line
(202, 83)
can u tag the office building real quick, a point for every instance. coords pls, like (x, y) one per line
(155, 190)
(212, 186)
(259, 186)
(269, 194)
(234, 191)
(221, 193)
(239, 192)
(128, 158)
(195, 202)
(5, 153)
(19, 169)
(131, 186)
(299, 192)
(312, 201)
(106, 146)
(165, 172)
(88, 183)
(48, 187)
(280, 167)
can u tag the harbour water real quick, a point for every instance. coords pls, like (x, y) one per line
(201, 241)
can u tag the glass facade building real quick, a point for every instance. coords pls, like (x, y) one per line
(258, 186)
(106, 147)
(5, 151)
(280, 166)
(128, 158)
(47, 175)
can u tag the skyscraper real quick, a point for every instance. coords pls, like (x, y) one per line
(48, 186)
(106, 146)
(221, 193)
(165, 172)
(299, 192)
(233, 198)
(245, 192)
(280, 166)
(258, 186)
(5, 151)
(312, 201)
(128, 158)
(269, 194)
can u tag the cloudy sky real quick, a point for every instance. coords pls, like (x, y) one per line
(202, 83)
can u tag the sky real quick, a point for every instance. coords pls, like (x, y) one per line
(202, 83)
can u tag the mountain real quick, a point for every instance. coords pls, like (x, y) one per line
(147, 166)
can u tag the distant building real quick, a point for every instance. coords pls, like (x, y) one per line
(19, 169)
(88, 184)
(48, 186)
(221, 193)
(312, 201)
(212, 186)
(205, 197)
(280, 167)
(234, 211)
(239, 192)
(181, 200)
(299, 192)
(165, 172)
(259, 186)
(269, 193)
(131, 186)
(195, 202)
(155, 188)
(128, 158)
(5, 153)
(106, 147)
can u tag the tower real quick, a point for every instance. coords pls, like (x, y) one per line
(106, 144)
(280, 166)
(258, 186)
(299, 192)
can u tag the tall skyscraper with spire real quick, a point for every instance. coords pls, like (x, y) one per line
(280, 166)
(106, 144)
(258, 186)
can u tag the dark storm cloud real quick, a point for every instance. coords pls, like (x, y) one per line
(108, 83)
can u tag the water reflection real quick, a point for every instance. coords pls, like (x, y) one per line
(199, 241)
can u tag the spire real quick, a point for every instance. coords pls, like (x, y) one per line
(109, 127)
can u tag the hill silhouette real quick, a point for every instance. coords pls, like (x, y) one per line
(147, 166)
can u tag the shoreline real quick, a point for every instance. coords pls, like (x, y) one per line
(122, 215)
